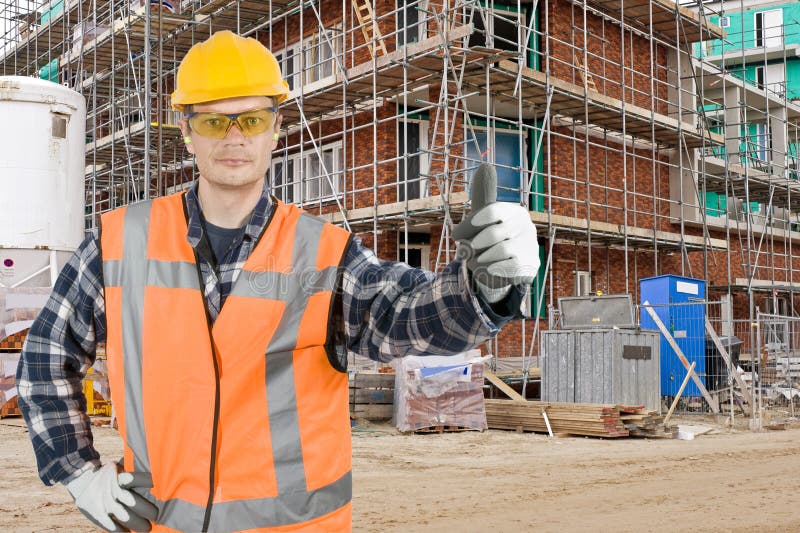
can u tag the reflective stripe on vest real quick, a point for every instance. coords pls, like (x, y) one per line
(288, 464)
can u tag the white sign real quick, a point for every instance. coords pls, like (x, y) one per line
(688, 288)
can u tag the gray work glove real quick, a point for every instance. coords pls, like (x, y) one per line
(103, 497)
(497, 239)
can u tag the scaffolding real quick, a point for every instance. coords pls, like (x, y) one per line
(616, 122)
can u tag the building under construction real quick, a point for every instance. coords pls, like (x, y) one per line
(625, 126)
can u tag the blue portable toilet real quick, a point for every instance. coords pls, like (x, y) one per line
(685, 319)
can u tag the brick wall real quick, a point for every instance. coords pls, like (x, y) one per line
(607, 171)
(640, 180)
(453, 141)
(633, 189)
(286, 31)
(621, 63)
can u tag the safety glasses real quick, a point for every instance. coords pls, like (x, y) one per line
(217, 125)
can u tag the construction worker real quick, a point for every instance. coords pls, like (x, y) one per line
(227, 317)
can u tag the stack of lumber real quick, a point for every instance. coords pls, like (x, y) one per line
(584, 419)
(643, 423)
(371, 395)
(593, 420)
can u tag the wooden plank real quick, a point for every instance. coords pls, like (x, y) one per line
(724, 353)
(568, 98)
(533, 373)
(660, 14)
(619, 231)
(371, 396)
(134, 26)
(372, 380)
(459, 198)
(420, 70)
(664, 331)
(599, 420)
(500, 384)
(372, 411)
(680, 391)
(416, 204)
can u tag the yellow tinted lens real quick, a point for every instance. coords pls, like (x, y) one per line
(210, 125)
(255, 122)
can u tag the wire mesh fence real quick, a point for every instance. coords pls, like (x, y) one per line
(712, 362)
(777, 359)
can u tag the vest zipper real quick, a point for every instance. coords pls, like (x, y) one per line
(213, 464)
(215, 356)
(215, 353)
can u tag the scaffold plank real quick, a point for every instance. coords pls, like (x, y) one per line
(125, 140)
(767, 285)
(124, 37)
(760, 185)
(246, 8)
(740, 227)
(665, 17)
(637, 237)
(50, 38)
(575, 101)
(239, 16)
(402, 70)
(577, 228)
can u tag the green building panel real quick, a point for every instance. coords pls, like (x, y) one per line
(741, 30)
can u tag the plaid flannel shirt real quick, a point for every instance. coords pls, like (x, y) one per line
(388, 309)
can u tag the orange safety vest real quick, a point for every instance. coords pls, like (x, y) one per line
(243, 424)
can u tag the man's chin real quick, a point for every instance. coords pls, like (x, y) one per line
(233, 181)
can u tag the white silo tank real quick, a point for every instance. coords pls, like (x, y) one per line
(42, 154)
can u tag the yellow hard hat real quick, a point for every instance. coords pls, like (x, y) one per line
(227, 65)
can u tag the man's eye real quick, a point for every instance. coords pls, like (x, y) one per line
(213, 122)
(253, 121)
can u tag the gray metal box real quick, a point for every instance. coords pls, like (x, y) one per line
(613, 366)
(580, 312)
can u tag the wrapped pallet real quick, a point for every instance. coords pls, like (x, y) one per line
(8, 386)
(436, 392)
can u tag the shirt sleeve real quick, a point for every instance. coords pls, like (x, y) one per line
(391, 309)
(58, 351)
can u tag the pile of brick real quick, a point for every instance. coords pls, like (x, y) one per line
(451, 402)
(8, 370)
(13, 343)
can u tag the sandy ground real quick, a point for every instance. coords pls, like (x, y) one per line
(504, 481)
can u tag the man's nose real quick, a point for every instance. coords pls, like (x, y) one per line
(234, 132)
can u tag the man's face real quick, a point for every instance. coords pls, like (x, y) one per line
(235, 161)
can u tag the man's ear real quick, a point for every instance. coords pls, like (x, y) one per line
(187, 138)
(276, 131)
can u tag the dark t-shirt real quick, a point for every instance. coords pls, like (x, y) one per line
(222, 239)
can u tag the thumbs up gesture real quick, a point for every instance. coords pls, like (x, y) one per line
(497, 240)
